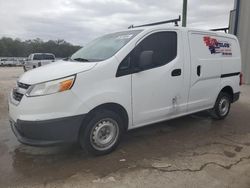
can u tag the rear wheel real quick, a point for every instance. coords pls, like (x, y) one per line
(222, 106)
(102, 132)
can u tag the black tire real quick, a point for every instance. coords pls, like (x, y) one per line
(92, 128)
(222, 106)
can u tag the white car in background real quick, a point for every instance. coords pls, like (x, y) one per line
(37, 60)
(3, 62)
(9, 61)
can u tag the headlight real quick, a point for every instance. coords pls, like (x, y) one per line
(51, 87)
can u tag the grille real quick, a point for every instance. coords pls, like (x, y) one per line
(17, 96)
(19, 91)
(22, 85)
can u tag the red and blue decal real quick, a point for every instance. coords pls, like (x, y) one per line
(217, 47)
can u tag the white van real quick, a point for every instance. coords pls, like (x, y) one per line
(37, 60)
(123, 81)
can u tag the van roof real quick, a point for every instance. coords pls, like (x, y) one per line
(186, 29)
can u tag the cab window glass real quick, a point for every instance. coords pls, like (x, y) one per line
(49, 57)
(163, 45)
(38, 57)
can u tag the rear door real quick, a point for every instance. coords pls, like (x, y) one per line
(159, 92)
(206, 61)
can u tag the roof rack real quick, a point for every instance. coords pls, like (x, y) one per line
(175, 21)
(225, 29)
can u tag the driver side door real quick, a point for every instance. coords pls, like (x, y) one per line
(158, 91)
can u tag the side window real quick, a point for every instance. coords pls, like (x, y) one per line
(35, 57)
(124, 67)
(162, 44)
(38, 57)
(48, 57)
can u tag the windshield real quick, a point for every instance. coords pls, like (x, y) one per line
(104, 47)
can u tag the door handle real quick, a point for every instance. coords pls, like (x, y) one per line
(176, 72)
(199, 70)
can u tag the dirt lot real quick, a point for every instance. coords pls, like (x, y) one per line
(193, 151)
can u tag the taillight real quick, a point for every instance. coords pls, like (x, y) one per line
(241, 78)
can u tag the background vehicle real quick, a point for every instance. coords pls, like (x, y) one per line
(37, 60)
(10, 61)
(123, 81)
(3, 62)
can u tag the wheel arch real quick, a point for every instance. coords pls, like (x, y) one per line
(115, 107)
(228, 90)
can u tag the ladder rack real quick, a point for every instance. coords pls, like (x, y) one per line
(175, 21)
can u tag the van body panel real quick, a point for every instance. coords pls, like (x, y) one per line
(157, 95)
(67, 68)
(212, 55)
(99, 87)
(46, 107)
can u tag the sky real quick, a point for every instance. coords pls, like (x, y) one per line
(80, 21)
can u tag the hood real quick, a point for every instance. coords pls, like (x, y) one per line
(54, 71)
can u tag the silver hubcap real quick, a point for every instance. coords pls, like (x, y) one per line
(223, 106)
(104, 134)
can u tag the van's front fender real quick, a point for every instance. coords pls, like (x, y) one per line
(97, 87)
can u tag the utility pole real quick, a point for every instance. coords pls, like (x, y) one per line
(184, 13)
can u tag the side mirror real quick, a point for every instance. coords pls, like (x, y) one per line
(145, 59)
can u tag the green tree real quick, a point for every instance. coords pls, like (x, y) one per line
(16, 48)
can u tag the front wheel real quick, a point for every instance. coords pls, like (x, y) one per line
(222, 106)
(102, 132)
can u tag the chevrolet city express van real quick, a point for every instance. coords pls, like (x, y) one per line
(123, 81)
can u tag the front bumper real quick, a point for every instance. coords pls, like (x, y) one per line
(47, 132)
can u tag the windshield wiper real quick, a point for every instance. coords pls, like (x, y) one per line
(81, 59)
